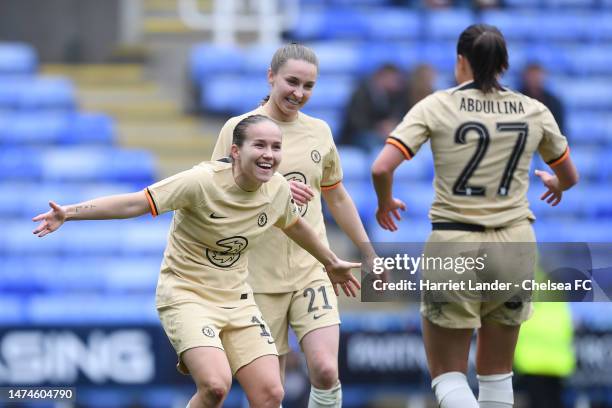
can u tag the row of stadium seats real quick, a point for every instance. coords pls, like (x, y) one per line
(358, 58)
(109, 238)
(412, 24)
(218, 93)
(508, 3)
(37, 93)
(77, 163)
(47, 128)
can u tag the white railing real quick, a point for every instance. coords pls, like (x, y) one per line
(268, 18)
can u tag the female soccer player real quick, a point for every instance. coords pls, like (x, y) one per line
(483, 137)
(204, 303)
(289, 284)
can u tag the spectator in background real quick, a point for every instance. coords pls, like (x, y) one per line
(533, 86)
(376, 106)
(420, 83)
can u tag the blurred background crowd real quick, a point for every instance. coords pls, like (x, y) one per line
(105, 97)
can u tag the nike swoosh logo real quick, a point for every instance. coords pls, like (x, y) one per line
(318, 316)
(270, 341)
(215, 216)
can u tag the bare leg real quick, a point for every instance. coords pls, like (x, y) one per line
(496, 344)
(211, 373)
(261, 382)
(320, 347)
(447, 349)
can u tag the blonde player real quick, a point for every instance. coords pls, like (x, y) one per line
(289, 284)
(204, 303)
(483, 137)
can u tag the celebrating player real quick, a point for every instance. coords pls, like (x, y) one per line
(204, 303)
(483, 137)
(289, 284)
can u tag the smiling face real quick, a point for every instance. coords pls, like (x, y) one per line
(291, 86)
(259, 156)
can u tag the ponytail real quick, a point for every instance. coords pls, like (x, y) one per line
(485, 49)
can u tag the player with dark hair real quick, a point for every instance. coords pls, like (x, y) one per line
(483, 137)
(289, 284)
(205, 305)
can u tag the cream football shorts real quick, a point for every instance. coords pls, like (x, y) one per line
(312, 307)
(507, 257)
(240, 331)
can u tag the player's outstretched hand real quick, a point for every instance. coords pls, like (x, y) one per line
(384, 212)
(301, 193)
(49, 221)
(554, 194)
(340, 275)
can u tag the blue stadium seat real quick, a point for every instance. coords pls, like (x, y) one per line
(91, 309)
(233, 94)
(310, 26)
(362, 194)
(447, 24)
(374, 54)
(332, 92)
(556, 59)
(418, 197)
(591, 59)
(11, 309)
(583, 93)
(207, 59)
(395, 24)
(102, 164)
(32, 128)
(17, 59)
(333, 117)
(355, 163)
(336, 57)
(89, 128)
(589, 128)
(577, 231)
(563, 25)
(345, 23)
(49, 93)
(409, 230)
(578, 4)
(441, 55)
(20, 164)
(515, 25)
(257, 59)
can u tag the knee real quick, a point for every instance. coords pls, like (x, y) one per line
(214, 391)
(269, 395)
(324, 374)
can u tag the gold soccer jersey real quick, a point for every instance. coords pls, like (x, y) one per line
(214, 224)
(482, 146)
(278, 264)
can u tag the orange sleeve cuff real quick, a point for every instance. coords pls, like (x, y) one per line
(154, 212)
(402, 148)
(561, 159)
(327, 188)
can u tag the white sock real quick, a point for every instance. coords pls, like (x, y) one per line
(331, 398)
(452, 391)
(495, 391)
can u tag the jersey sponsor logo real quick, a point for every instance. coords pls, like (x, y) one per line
(262, 219)
(216, 216)
(315, 156)
(297, 176)
(208, 331)
(234, 247)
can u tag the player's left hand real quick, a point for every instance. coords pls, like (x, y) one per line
(340, 274)
(49, 221)
(554, 194)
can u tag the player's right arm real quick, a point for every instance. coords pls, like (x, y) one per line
(103, 208)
